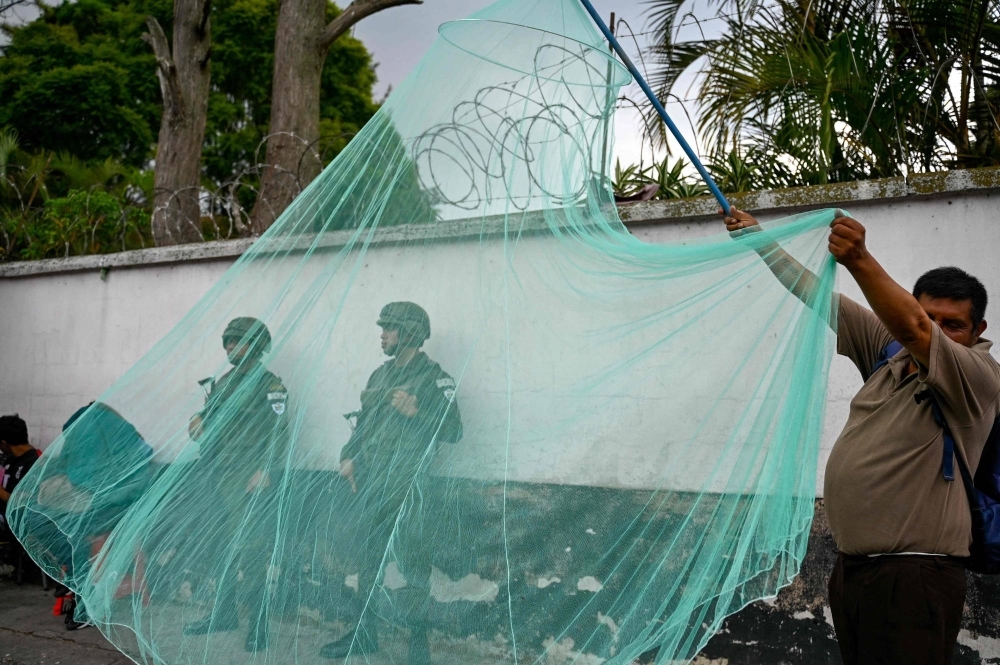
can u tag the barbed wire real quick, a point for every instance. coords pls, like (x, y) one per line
(694, 20)
(471, 161)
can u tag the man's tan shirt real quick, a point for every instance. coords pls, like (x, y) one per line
(884, 489)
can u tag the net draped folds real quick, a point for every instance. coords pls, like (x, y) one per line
(602, 448)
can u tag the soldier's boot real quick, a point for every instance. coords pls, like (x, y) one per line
(257, 638)
(355, 643)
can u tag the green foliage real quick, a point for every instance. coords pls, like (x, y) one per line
(819, 103)
(79, 80)
(81, 100)
(738, 174)
(85, 222)
(240, 102)
(57, 205)
(8, 145)
(627, 181)
(957, 122)
(671, 181)
(828, 91)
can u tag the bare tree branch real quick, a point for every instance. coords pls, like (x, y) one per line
(182, 67)
(356, 11)
(165, 69)
(158, 40)
(7, 5)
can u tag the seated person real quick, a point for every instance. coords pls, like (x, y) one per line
(18, 457)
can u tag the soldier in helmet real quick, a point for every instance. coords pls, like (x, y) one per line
(242, 425)
(407, 407)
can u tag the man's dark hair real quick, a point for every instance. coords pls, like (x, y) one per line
(954, 284)
(13, 430)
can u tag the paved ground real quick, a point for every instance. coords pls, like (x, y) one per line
(30, 635)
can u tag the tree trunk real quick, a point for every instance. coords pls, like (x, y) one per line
(292, 159)
(184, 81)
(301, 43)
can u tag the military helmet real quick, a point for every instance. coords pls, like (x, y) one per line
(251, 331)
(409, 318)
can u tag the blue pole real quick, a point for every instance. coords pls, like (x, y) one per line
(716, 192)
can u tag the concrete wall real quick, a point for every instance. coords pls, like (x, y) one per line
(70, 328)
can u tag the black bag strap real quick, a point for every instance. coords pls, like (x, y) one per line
(948, 454)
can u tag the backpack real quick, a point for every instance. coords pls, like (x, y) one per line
(983, 490)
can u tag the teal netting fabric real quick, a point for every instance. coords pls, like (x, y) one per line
(449, 410)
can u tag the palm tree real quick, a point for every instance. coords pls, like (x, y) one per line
(56, 205)
(946, 38)
(828, 90)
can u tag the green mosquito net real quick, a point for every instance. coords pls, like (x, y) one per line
(449, 410)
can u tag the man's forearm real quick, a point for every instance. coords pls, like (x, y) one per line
(4, 494)
(799, 280)
(896, 307)
(794, 276)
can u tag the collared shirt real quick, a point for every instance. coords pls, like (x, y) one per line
(884, 488)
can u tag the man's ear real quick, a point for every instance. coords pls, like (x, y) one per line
(980, 329)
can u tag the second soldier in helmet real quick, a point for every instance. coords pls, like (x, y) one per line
(407, 408)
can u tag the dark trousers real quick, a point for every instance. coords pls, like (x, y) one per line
(897, 610)
(242, 574)
(391, 528)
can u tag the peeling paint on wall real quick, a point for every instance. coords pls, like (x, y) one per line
(562, 653)
(392, 578)
(986, 647)
(545, 582)
(472, 588)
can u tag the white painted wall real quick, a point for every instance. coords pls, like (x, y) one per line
(65, 338)
(908, 238)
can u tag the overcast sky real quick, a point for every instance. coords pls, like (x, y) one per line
(398, 38)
